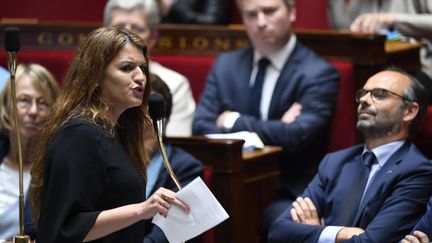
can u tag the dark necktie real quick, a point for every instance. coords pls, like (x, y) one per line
(256, 89)
(354, 197)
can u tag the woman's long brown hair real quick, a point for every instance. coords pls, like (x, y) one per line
(81, 97)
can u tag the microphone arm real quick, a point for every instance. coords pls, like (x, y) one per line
(12, 46)
(165, 158)
(157, 113)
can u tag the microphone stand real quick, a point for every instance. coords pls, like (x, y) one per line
(21, 238)
(159, 125)
(157, 112)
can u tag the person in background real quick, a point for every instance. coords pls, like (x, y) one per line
(142, 17)
(194, 11)
(372, 192)
(277, 88)
(411, 18)
(185, 166)
(89, 174)
(422, 232)
(416, 237)
(4, 75)
(36, 90)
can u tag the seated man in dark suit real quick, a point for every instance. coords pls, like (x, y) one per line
(185, 166)
(277, 88)
(374, 192)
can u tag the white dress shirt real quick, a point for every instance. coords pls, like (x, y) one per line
(277, 62)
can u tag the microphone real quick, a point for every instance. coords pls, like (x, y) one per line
(12, 39)
(12, 46)
(157, 112)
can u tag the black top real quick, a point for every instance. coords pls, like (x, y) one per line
(86, 171)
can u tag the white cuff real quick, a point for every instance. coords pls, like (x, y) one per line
(229, 121)
(328, 235)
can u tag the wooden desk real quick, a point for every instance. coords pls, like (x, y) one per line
(243, 182)
(369, 53)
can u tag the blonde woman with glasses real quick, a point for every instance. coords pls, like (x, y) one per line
(36, 90)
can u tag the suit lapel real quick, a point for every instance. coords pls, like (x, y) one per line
(242, 79)
(381, 177)
(282, 84)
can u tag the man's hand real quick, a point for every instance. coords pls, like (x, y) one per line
(372, 22)
(416, 237)
(347, 233)
(304, 212)
(221, 119)
(292, 113)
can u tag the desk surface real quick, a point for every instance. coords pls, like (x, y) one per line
(247, 155)
(398, 46)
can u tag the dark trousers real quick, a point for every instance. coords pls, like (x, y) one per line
(271, 213)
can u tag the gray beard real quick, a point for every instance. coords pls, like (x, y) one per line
(381, 126)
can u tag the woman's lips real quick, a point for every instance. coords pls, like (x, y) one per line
(29, 125)
(138, 91)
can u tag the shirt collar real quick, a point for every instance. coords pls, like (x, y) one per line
(279, 58)
(384, 152)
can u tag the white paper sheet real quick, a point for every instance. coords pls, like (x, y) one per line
(205, 213)
(252, 141)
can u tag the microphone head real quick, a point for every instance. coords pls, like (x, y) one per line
(156, 105)
(12, 39)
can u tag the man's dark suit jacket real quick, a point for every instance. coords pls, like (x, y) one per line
(187, 168)
(397, 197)
(425, 223)
(306, 79)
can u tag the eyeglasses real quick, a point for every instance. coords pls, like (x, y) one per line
(25, 102)
(376, 94)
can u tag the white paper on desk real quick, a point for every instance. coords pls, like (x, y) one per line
(205, 213)
(252, 140)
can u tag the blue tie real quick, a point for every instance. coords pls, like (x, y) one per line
(354, 197)
(256, 89)
(368, 159)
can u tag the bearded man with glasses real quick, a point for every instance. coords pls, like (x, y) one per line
(372, 192)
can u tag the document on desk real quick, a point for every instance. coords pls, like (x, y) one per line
(252, 141)
(205, 213)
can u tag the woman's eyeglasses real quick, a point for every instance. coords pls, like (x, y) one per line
(25, 102)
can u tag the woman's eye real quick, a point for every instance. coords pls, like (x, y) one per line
(43, 102)
(126, 68)
(23, 101)
(143, 68)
